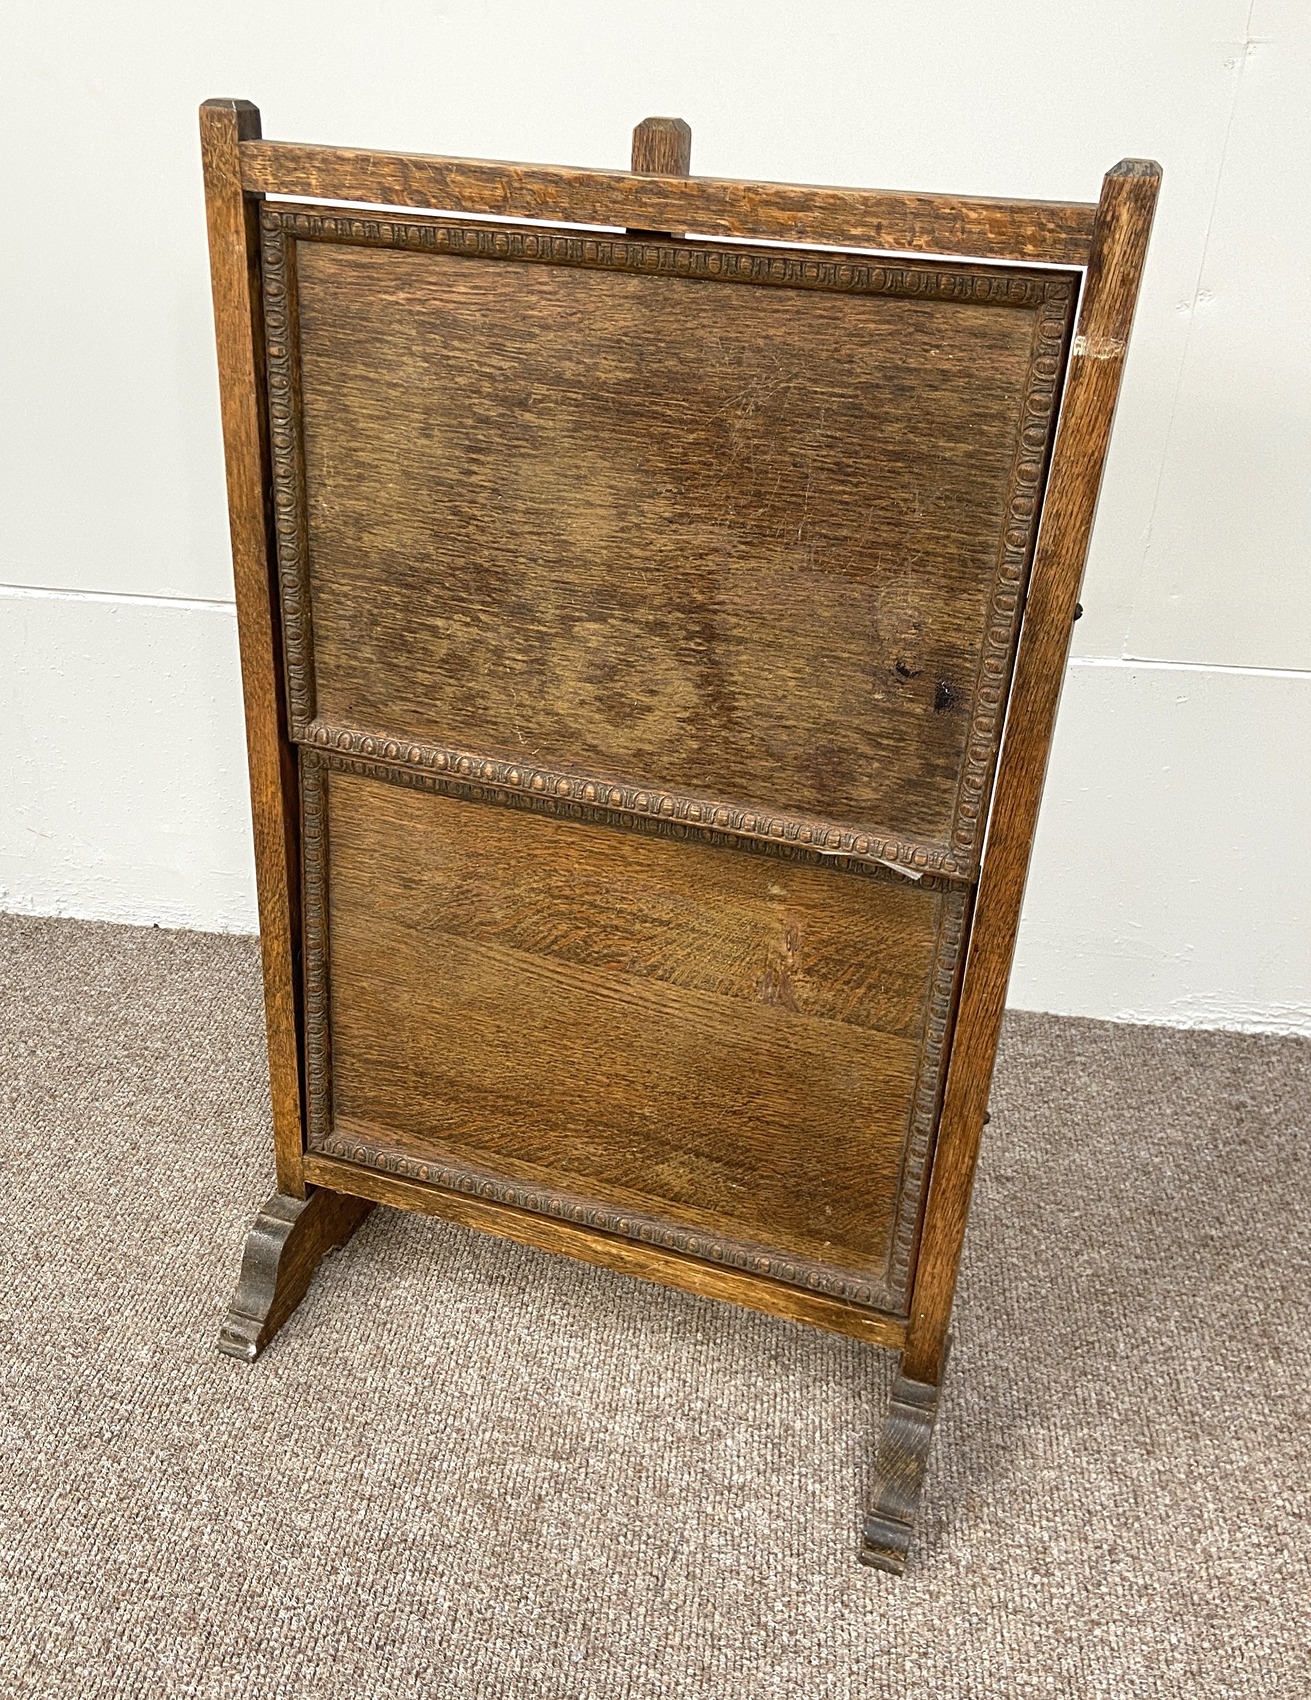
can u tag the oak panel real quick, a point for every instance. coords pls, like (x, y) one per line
(707, 1037)
(758, 544)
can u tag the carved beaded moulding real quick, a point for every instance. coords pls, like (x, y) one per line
(618, 801)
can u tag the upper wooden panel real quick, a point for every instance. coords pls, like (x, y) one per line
(610, 513)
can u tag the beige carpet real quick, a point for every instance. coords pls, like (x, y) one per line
(470, 1469)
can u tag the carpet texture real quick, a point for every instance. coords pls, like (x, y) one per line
(468, 1468)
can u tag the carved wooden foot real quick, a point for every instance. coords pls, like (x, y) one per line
(282, 1252)
(899, 1473)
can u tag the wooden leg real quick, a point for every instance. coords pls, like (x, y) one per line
(899, 1472)
(282, 1252)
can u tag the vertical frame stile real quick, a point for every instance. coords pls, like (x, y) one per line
(662, 147)
(1115, 266)
(233, 223)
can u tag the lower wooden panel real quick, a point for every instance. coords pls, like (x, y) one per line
(650, 1263)
(719, 1052)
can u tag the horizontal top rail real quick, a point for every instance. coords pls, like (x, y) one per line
(975, 227)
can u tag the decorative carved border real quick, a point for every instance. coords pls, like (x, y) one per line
(931, 1068)
(290, 524)
(491, 779)
(702, 260)
(992, 680)
(477, 1182)
(314, 945)
(1051, 294)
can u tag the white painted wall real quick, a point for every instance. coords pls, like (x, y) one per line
(1170, 874)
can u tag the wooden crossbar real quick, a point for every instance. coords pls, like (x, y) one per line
(1049, 232)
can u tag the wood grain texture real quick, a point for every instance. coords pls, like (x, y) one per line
(1124, 224)
(662, 147)
(366, 1146)
(1052, 232)
(699, 1048)
(649, 1263)
(715, 548)
(238, 323)
(289, 1239)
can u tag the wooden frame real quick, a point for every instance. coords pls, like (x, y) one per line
(321, 1196)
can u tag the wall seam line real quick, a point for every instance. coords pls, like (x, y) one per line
(1168, 434)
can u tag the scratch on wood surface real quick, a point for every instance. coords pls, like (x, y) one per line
(1098, 347)
(906, 873)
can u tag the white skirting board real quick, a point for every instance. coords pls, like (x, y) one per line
(1169, 879)
(123, 762)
